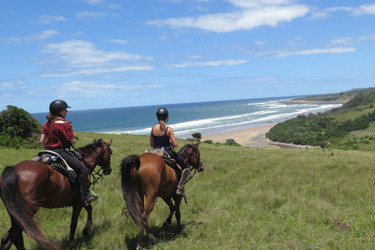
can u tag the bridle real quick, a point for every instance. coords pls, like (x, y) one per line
(199, 167)
(103, 170)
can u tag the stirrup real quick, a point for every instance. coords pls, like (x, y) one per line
(180, 192)
(90, 199)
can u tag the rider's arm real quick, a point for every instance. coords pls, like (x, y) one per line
(172, 137)
(73, 140)
(43, 140)
(152, 144)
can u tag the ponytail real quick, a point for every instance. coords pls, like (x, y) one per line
(163, 126)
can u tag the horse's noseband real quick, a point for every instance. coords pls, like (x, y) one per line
(107, 168)
(200, 164)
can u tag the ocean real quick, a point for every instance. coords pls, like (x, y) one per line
(188, 118)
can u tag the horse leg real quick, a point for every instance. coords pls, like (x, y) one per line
(172, 209)
(178, 213)
(13, 236)
(5, 242)
(19, 239)
(150, 203)
(87, 229)
(73, 224)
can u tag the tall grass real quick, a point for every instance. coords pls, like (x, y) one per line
(247, 198)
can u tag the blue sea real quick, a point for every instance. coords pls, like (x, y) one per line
(188, 118)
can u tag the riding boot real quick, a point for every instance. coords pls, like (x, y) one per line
(180, 187)
(86, 198)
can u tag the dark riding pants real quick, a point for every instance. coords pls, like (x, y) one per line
(180, 161)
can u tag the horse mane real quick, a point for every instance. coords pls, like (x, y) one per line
(184, 150)
(92, 146)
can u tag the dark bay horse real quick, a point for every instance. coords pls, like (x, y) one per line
(148, 176)
(29, 185)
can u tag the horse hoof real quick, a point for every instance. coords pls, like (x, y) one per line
(165, 226)
(86, 232)
(152, 239)
(71, 245)
(139, 247)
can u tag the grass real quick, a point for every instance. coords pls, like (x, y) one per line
(247, 198)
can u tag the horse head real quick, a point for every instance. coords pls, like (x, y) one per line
(191, 154)
(105, 162)
(102, 156)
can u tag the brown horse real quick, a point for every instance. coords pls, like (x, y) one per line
(148, 176)
(29, 185)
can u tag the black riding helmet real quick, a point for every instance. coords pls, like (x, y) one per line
(57, 105)
(162, 113)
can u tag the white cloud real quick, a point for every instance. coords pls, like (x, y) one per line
(41, 36)
(209, 63)
(119, 41)
(172, 1)
(6, 84)
(50, 19)
(78, 53)
(353, 40)
(327, 12)
(238, 20)
(88, 15)
(256, 3)
(334, 50)
(260, 43)
(365, 9)
(94, 71)
(32, 38)
(194, 56)
(94, 89)
(93, 2)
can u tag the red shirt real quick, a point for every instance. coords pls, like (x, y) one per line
(63, 130)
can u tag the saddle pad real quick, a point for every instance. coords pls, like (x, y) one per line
(60, 165)
(158, 151)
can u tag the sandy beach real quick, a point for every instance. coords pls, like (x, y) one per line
(250, 137)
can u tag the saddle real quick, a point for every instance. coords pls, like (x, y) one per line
(167, 159)
(58, 163)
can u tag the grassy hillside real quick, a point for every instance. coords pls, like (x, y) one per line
(341, 97)
(332, 128)
(247, 198)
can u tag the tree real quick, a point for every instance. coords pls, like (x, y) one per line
(18, 127)
(197, 136)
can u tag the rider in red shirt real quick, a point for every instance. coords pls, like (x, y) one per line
(57, 135)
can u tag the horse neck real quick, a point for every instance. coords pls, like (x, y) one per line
(188, 155)
(91, 159)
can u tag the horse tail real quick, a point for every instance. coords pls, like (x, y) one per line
(20, 208)
(130, 193)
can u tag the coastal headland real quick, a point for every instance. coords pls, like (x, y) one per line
(256, 136)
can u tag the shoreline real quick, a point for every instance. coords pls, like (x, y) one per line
(251, 137)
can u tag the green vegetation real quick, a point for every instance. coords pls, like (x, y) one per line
(331, 128)
(247, 198)
(338, 98)
(18, 128)
(197, 136)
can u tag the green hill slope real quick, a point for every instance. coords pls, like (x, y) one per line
(246, 198)
(331, 128)
(333, 98)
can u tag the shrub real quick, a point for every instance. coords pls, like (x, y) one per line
(18, 128)
(197, 136)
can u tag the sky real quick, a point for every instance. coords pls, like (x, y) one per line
(118, 53)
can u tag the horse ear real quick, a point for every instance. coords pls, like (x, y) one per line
(109, 143)
(198, 143)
